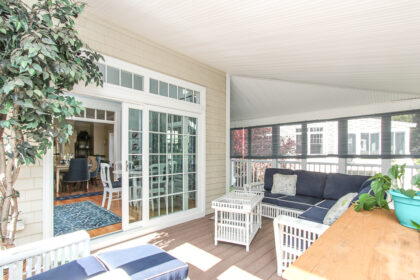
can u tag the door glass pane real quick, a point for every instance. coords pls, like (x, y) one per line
(135, 165)
(134, 120)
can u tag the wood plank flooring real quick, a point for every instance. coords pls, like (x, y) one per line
(193, 242)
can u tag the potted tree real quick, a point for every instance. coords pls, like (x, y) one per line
(41, 59)
(406, 201)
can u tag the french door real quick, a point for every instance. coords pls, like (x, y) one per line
(160, 153)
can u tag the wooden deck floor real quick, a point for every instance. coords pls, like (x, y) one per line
(193, 242)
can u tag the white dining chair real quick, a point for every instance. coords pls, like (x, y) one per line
(110, 188)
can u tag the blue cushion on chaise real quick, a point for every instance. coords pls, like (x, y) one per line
(314, 214)
(145, 262)
(327, 203)
(299, 202)
(76, 270)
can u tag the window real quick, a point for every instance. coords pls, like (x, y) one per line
(98, 114)
(374, 144)
(364, 143)
(316, 142)
(120, 77)
(173, 91)
(351, 142)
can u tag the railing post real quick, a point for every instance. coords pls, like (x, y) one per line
(248, 172)
(385, 165)
(232, 174)
(274, 163)
(304, 164)
(342, 165)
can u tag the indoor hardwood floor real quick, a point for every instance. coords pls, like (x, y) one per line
(193, 242)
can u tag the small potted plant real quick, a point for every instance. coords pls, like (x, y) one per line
(406, 201)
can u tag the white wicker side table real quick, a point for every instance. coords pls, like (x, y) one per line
(237, 218)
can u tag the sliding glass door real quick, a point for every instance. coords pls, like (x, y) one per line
(172, 163)
(160, 154)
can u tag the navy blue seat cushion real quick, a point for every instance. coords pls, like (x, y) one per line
(273, 195)
(299, 202)
(338, 185)
(79, 269)
(310, 183)
(327, 203)
(269, 173)
(314, 214)
(145, 262)
(117, 184)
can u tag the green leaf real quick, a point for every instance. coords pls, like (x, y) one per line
(393, 172)
(416, 180)
(47, 19)
(416, 225)
(409, 193)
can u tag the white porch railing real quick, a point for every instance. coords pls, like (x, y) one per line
(24, 261)
(250, 171)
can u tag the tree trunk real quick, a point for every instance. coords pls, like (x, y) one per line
(9, 172)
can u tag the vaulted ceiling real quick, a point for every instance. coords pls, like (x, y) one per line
(361, 44)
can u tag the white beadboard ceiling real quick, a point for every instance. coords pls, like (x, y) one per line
(267, 98)
(359, 44)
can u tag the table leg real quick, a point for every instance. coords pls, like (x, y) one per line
(247, 229)
(215, 228)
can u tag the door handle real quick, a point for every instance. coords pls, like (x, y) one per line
(126, 165)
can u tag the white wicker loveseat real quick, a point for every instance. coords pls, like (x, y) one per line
(298, 219)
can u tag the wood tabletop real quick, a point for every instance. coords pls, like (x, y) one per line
(365, 245)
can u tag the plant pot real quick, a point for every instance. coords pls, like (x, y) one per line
(407, 209)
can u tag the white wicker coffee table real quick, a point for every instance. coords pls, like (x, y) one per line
(237, 218)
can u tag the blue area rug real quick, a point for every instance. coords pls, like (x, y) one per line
(78, 196)
(82, 215)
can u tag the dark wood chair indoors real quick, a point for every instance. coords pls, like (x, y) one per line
(78, 173)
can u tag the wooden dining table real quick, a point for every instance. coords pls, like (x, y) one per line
(365, 245)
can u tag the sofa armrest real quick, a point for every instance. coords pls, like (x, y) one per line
(257, 188)
(292, 237)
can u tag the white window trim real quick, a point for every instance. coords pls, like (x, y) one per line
(141, 98)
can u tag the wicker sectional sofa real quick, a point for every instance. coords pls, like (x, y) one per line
(316, 193)
(298, 220)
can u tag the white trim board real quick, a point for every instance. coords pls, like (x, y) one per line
(354, 111)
